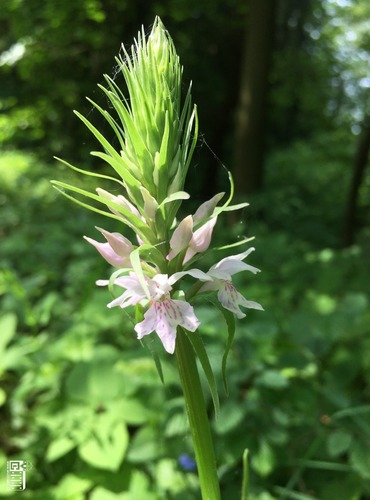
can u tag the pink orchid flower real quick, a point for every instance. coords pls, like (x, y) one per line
(221, 274)
(164, 314)
(199, 240)
(116, 251)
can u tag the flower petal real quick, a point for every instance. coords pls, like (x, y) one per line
(206, 209)
(164, 317)
(201, 239)
(232, 265)
(181, 237)
(230, 299)
(107, 252)
(121, 245)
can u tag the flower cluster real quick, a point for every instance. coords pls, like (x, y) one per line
(164, 313)
(156, 131)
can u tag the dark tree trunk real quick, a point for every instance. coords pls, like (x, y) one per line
(250, 122)
(359, 167)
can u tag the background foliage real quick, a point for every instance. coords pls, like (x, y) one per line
(79, 396)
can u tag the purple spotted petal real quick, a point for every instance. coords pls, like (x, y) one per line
(163, 317)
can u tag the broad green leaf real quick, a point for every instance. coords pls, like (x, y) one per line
(145, 446)
(59, 447)
(107, 446)
(263, 461)
(338, 442)
(359, 458)
(71, 487)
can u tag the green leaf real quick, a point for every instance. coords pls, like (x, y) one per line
(72, 487)
(145, 446)
(230, 322)
(59, 447)
(157, 360)
(198, 346)
(338, 442)
(106, 448)
(263, 461)
(273, 379)
(359, 458)
(8, 325)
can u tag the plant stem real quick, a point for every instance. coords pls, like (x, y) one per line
(198, 419)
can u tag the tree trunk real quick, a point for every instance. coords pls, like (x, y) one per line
(359, 167)
(249, 142)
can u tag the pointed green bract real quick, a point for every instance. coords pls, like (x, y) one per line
(155, 133)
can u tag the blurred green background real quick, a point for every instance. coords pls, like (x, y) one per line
(283, 95)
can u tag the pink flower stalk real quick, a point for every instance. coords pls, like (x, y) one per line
(164, 314)
(221, 274)
(116, 251)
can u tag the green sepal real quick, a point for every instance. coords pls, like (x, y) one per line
(230, 322)
(198, 346)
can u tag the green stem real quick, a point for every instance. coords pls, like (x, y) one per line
(198, 419)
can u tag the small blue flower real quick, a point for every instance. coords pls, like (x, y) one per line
(187, 463)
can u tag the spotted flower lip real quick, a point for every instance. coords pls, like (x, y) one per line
(163, 317)
(164, 314)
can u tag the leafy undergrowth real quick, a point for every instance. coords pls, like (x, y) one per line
(81, 399)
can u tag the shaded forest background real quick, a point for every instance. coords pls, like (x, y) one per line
(283, 95)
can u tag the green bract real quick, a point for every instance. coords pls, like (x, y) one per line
(156, 133)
